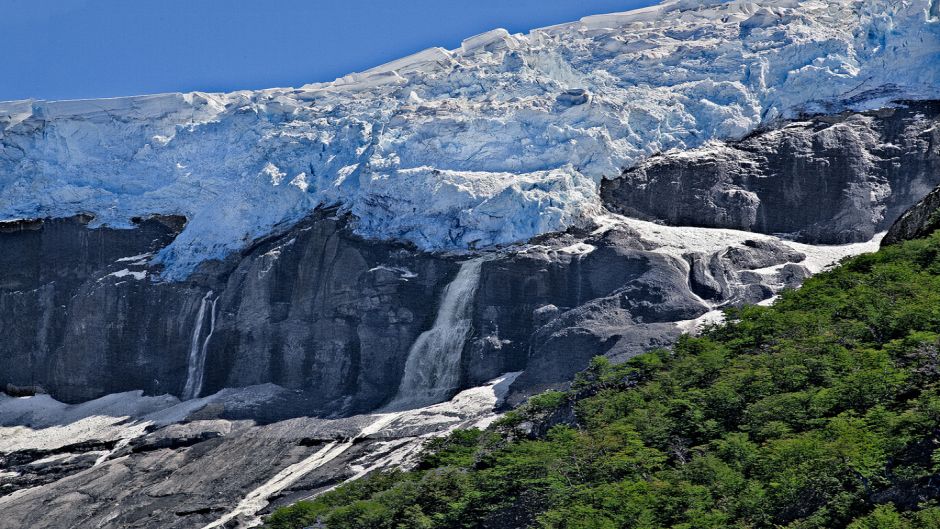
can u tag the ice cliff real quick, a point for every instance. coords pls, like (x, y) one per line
(502, 139)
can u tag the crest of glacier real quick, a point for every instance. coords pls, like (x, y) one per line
(502, 139)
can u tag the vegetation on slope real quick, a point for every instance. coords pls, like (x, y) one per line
(822, 411)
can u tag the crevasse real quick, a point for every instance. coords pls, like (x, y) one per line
(499, 140)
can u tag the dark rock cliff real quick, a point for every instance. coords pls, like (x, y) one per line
(921, 220)
(822, 180)
(316, 309)
(70, 328)
(330, 316)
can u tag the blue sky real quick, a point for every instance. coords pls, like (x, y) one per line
(67, 49)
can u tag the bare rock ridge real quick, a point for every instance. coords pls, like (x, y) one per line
(823, 180)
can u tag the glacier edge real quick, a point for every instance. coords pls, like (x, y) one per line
(500, 140)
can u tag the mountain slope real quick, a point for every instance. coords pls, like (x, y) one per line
(215, 304)
(820, 411)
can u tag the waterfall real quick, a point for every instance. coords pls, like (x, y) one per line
(197, 351)
(432, 371)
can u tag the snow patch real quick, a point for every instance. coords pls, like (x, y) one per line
(120, 274)
(679, 240)
(134, 259)
(578, 248)
(694, 326)
(403, 273)
(43, 423)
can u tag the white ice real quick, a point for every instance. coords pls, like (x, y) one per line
(501, 139)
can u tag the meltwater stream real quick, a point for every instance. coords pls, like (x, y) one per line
(196, 366)
(432, 371)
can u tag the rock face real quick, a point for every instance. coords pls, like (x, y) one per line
(132, 461)
(71, 326)
(919, 221)
(824, 180)
(549, 312)
(325, 312)
(315, 309)
(332, 317)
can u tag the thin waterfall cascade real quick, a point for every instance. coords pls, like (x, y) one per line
(432, 370)
(200, 376)
(196, 366)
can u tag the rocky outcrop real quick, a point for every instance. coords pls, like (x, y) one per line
(920, 221)
(822, 180)
(548, 311)
(127, 460)
(624, 295)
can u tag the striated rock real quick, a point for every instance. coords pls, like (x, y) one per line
(321, 310)
(158, 467)
(72, 319)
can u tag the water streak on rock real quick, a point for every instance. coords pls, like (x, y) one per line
(197, 351)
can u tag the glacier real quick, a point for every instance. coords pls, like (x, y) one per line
(502, 139)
